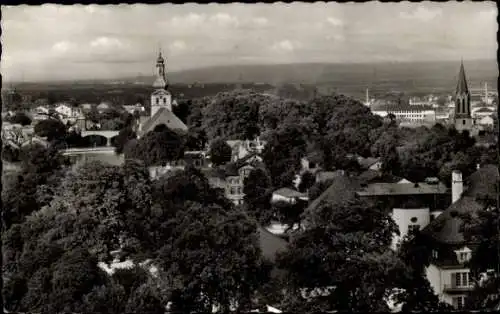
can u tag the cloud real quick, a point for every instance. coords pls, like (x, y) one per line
(284, 46)
(334, 21)
(106, 43)
(422, 14)
(63, 46)
(260, 21)
(177, 46)
(191, 20)
(224, 19)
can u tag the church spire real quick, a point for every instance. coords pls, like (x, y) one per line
(462, 81)
(161, 80)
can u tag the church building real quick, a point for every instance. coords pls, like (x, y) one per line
(463, 118)
(161, 104)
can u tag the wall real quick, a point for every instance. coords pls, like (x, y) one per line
(280, 198)
(402, 217)
(438, 278)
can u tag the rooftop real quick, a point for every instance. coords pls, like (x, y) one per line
(287, 192)
(379, 189)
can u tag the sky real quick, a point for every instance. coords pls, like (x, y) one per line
(57, 42)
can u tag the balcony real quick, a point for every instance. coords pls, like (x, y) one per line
(452, 288)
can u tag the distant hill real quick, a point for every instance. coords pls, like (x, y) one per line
(344, 78)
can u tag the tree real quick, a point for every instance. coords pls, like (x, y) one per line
(233, 115)
(53, 129)
(41, 171)
(220, 152)
(213, 259)
(390, 161)
(257, 188)
(417, 293)
(20, 118)
(157, 147)
(126, 134)
(282, 155)
(345, 248)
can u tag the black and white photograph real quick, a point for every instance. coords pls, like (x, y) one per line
(301, 157)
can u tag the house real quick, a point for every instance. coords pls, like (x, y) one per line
(133, 108)
(370, 163)
(86, 107)
(411, 205)
(414, 115)
(486, 121)
(322, 176)
(309, 164)
(448, 274)
(40, 113)
(230, 177)
(197, 159)
(481, 112)
(103, 106)
(240, 149)
(288, 195)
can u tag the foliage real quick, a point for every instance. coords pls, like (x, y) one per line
(345, 247)
(318, 188)
(220, 152)
(20, 118)
(282, 155)
(126, 134)
(53, 129)
(41, 170)
(157, 147)
(233, 115)
(258, 190)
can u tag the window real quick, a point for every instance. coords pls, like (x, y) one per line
(164, 100)
(463, 256)
(458, 302)
(460, 279)
(434, 254)
(463, 122)
(413, 228)
(157, 101)
(231, 190)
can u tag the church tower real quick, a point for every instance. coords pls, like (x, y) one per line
(463, 119)
(161, 97)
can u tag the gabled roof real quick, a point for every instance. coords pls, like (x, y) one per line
(462, 81)
(446, 227)
(270, 244)
(340, 191)
(287, 192)
(164, 116)
(366, 163)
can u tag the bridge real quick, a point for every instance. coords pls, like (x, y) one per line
(85, 150)
(109, 135)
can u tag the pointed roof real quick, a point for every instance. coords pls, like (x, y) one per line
(462, 81)
(164, 116)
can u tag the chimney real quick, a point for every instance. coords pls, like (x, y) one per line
(457, 185)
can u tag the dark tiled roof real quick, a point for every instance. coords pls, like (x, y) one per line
(366, 163)
(340, 191)
(164, 116)
(376, 189)
(270, 244)
(445, 228)
(372, 176)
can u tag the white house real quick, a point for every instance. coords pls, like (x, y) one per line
(486, 121)
(288, 195)
(448, 274)
(241, 149)
(411, 115)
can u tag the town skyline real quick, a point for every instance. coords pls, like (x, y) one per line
(118, 43)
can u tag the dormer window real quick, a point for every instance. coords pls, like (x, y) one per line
(463, 255)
